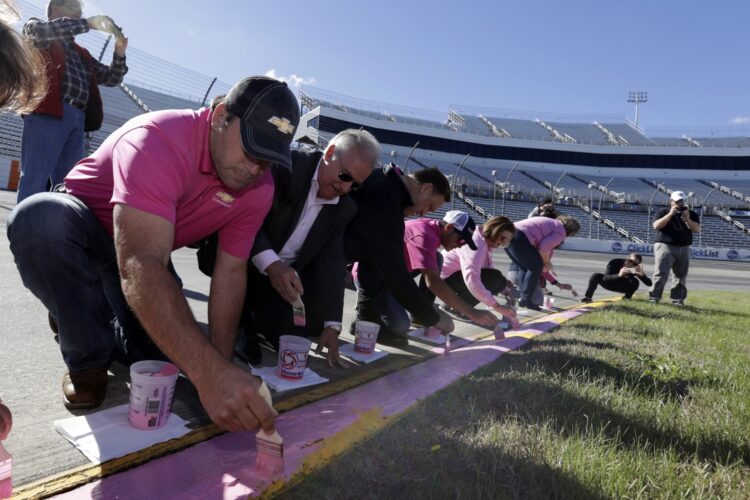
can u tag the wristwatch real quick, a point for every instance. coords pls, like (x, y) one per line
(334, 326)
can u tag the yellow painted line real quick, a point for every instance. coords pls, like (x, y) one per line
(367, 424)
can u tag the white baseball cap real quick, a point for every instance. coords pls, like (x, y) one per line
(463, 225)
(677, 196)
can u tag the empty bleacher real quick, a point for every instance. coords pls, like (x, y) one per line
(583, 133)
(158, 100)
(521, 129)
(631, 135)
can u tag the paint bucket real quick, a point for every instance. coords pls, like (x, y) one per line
(549, 302)
(365, 336)
(151, 392)
(293, 356)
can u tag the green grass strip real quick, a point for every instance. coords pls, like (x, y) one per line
(634, 400)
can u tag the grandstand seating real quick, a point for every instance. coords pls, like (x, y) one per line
(724, 142)
(718, 233)
(11, 128)
(583, 133)
(157, 100)
(475, 125)
(631, 135)
(521, 129)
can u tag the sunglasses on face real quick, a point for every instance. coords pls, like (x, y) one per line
(345, 176)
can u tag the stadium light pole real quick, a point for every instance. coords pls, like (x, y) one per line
(410, 153)
(703, 210)
(648, 217)
(591, 207)
(494, 191)
(601, 199)
(507, 185)
(637, 97)
(554, 188)
(455, 176)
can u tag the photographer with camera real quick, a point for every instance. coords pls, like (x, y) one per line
(546, 208)
(674, 228)
(621, 275)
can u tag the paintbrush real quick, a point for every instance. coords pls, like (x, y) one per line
(269, 455)
(298, 312)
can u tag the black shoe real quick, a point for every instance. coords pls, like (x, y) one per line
(529, 305)
(248, 350)
(389, 338)
(586, 300)
(653, 299)
(52, 323)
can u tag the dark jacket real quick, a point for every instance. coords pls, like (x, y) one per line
(322, 249)
(613, 269)
(376, 235)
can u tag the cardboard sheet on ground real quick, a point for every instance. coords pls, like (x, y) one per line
(278, 384)
(106, 434)
(348, 351)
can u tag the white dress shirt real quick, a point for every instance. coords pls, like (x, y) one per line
(290, 250)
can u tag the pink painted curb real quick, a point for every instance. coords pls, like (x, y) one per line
(224, 467)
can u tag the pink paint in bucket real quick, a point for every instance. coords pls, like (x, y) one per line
(293, 356)
(365, 336)
(549, 302)
(151, 392)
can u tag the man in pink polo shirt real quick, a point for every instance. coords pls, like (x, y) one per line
(99, 251)
(422, 240)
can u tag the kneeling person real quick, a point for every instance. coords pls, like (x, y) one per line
(99, 252)
(471, 274)
(298, 253)
(422, 240)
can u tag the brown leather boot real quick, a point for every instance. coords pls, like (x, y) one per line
(84, 389)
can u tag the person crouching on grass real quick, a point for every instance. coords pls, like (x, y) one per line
(621, 275)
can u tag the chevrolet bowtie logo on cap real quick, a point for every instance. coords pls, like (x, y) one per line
(284, 125)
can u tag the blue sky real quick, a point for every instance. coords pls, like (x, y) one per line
(573, 57)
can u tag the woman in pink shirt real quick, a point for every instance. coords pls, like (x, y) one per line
(471, 273)
(531, 250)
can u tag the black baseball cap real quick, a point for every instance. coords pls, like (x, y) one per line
(269, 115)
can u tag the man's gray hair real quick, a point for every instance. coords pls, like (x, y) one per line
(61, 3)
(364, 142)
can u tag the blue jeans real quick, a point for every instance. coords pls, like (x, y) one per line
(530, 264)
(67, 260)
(50, 147)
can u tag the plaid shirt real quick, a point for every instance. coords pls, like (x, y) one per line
(75, 83)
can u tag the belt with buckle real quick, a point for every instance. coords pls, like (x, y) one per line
(75, 103)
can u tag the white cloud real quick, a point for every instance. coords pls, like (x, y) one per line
(293, 80)
(740, 119)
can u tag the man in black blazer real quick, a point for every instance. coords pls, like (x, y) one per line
(299, 250)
